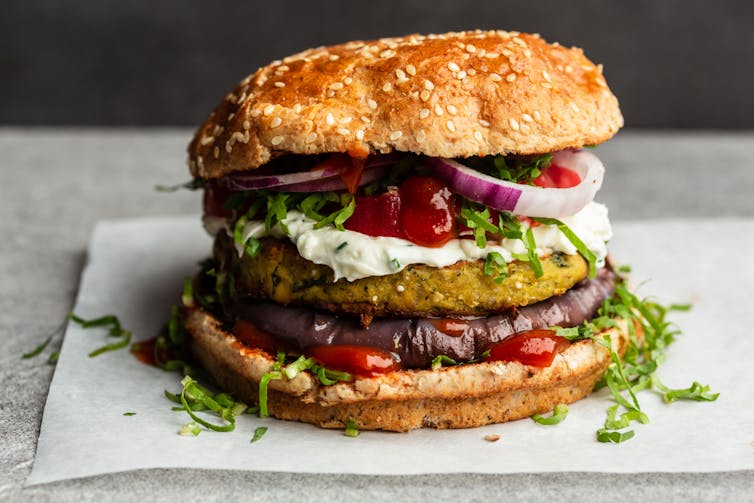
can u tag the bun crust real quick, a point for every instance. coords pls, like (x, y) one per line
(453, 397)
(451, 95)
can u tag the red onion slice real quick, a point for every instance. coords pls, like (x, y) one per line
(368, 176)
(526, 200)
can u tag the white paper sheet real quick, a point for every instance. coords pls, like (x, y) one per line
(136, 268)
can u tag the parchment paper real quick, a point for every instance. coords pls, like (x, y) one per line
(135, 270)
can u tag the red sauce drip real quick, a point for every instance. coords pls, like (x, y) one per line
(144, 351)
(250, 335)
(377, 215)
(450, 326)
(533, 347)
(354, 359)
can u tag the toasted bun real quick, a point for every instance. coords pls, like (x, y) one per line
(452, 397)
(452, 95)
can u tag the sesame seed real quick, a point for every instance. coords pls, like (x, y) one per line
(279, 84)
(216, 152)
(470, 48)
(424, 113)
(395, 135)
(230, 117)
(424, 95)
(310, 138)
(546, 85)
(451, 126)
(461, 75)
(546, 76)
(519, 41)
(400, 74)
(375, 298)
(472, 71)
(400, 288)
(438, 110)
(366, 119)
(514, 124)
(346, 120)
(344, 131)
(276, 122)
(387, 54)
(525, 128)
(297, 108)
(428, 85)
(206, 140)
(481, 53)
(510, 77)
(359, 134)
(283, 68)
(574, 107)
(330, 93)
(268, 109)
(527, 53)
(347, 81)
(277, 140)
(495, 77)
(411, 70)
(507, 53)
(478, 136)
(599, 68)
(336, 85)
(334, 57)
(229, 146)
(492, 55)
(568, 69)
(420, 135)
(484, 123)
(452, 110)
(246, 125)
(536, 115)
(387, 87)
(453, 67)
(372, 104)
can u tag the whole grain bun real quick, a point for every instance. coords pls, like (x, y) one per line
(452, 397)
(451, 95)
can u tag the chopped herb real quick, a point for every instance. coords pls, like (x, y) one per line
(129, 413)
(442, 360)
(54, 357)
(531, 249)
(624, 269)
(351, 430)
(636, 370)
(190, 429)
(116, 330)
(341, 246)
(394, 264)
(575, 241)
(187, 297)
(523, 169)
(36, 351)
(559, 413)
(263, 385)
(195, 184)
(495, 265)
(258, 433)
(192, 390)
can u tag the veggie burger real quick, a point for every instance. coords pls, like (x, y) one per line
(402, 230)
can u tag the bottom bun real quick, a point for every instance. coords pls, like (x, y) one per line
(462, 396)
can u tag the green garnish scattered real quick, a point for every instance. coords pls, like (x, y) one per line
(495, 265)
(190, 429)
(54, 357)
(511, 169)
(341, 246)
(531, 250)
(129, 413)
(116, 330)
(263, 384)
(351, 430)
(442, 360)
(36, 351)
(559, 413)
(191, 390)
(394, 264)
(258, 433)
(627, 376)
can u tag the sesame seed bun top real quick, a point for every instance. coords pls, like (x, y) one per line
(452, 95)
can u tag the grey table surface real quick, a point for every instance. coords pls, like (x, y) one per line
(56, 183)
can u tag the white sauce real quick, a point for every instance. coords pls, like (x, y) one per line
(362, 256)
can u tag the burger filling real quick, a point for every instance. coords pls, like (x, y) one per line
(403, 261)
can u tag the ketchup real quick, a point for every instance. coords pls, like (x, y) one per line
(144, 351)
(354, 359)
(533, 347)
(422, 210)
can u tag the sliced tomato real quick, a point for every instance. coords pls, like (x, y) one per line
(354, 359)
(533, 347)
(557, 177)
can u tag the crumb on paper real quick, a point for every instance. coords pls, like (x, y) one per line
(492, 437)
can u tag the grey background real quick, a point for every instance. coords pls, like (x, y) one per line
(672, 63)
